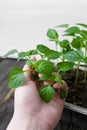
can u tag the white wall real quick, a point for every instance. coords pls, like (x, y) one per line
(23, 23)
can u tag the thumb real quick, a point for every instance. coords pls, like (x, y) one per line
(27, 72)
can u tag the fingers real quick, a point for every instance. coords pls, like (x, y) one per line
(58, 87)
(27, 74)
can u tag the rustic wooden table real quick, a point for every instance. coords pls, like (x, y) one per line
(6, 103)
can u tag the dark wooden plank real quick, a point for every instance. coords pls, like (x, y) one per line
(6, 112)
(5, 67)
(6, 109)
(7, 64)
(1, 59)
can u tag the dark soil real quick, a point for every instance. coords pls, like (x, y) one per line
(77, 93)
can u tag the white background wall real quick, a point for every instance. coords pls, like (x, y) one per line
(23, 23)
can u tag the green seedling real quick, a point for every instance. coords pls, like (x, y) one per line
(67, 54)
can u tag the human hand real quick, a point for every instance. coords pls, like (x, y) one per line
(31, 110)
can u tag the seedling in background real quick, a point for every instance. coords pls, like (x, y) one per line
(79, 46)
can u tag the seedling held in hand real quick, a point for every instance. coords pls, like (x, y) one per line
(67, 53)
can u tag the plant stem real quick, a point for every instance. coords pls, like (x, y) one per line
(62, 55)
(77, 72)
(56, 45)
(30, 70)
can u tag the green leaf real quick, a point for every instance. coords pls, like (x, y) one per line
(85, 60)
(72, 31)
(77, 42)
(62, 94)
(74, 56)
(10, 53)
(65, 66)
(63, 25)
(43, 67)
(52, 54)
(52, 34)
(45, 77)
(31, 52)
(30, 62)
(84, 34)
(83, 25)
(16, 78)
(85, 45)
(65, 44)
(58, 79)
(64, 51)
(47, 93)
(42, 49)
(21, 55)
